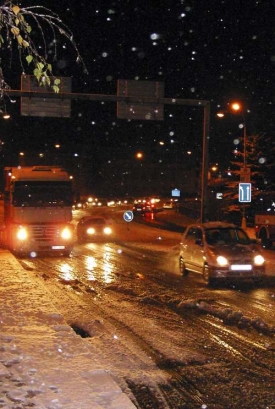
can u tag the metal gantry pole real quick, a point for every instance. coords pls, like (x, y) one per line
(204, 173)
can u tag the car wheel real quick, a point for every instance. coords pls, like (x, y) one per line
(182, 267)
(265, 241)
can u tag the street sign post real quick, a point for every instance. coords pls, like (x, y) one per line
(244, 192)
(245, 175)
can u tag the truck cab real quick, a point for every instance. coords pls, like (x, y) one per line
(38, 210)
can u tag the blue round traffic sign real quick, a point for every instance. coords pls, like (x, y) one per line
(128, 216)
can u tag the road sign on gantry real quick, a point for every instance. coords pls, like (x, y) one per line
(141, 90)
(45, 107)
(244, 192)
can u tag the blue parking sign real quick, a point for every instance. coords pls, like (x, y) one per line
(244, 192)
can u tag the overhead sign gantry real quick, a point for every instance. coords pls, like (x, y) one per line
(139, 100)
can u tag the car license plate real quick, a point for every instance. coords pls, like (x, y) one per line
(241, 267)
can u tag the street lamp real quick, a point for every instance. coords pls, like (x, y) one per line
(139, 155)
(235, 107)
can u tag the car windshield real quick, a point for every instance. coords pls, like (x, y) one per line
(95, 221)
(226, 235)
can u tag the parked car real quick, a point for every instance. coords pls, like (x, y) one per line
(220, 251)
(89, 228)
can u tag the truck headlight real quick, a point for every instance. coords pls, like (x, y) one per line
(22, 234)
(259, 260)
(90, 230)
(66, 234)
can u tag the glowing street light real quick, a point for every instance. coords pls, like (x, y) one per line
(236, 106)
(139, 155)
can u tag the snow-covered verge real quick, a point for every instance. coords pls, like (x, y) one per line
(43, 363)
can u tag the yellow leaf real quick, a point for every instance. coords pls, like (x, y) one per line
(15, 31)
(20, 40)
(29, 58)
(16, 10)
(25, 43)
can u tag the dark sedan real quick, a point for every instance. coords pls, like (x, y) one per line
(90, 228)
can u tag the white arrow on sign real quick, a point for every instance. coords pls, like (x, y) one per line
(244, 192)
(128, 216)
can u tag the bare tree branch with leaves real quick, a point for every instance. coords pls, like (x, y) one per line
(17, 25)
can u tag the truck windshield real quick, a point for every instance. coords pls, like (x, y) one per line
(41, 194)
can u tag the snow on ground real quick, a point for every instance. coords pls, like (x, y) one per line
(43, 363)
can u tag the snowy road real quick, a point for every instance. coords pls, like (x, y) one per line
(169, 341)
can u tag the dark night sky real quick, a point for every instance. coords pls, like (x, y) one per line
(214, 50)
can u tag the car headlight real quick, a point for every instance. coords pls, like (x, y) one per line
(222, 261)
(90, 230)
(259, 260)
(66, 233)
(107, 230)
(22, 234)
